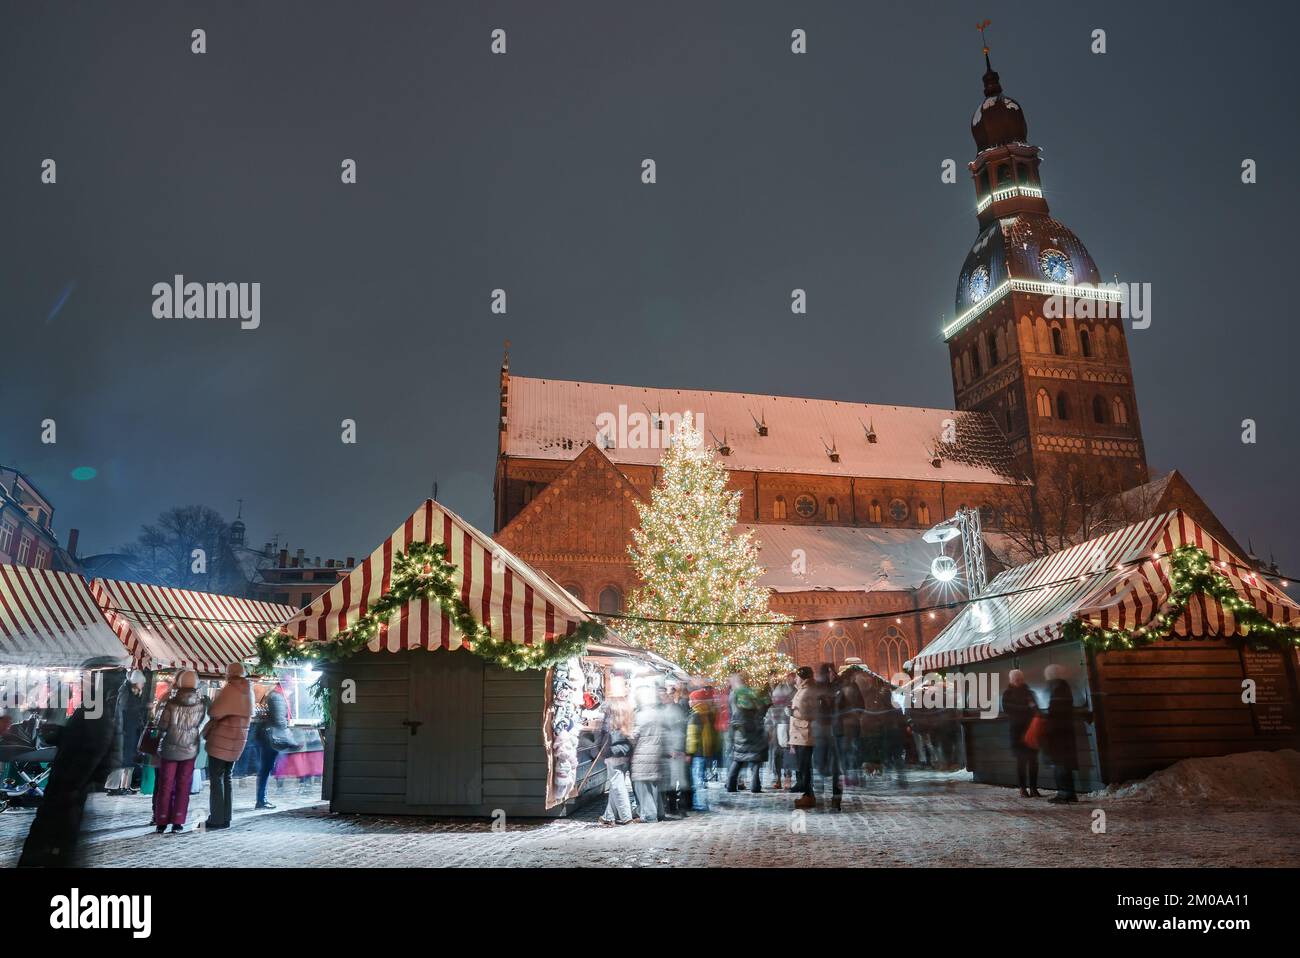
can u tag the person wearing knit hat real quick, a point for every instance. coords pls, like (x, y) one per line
(179, 727)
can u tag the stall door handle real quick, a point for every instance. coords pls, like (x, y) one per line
(413, 726)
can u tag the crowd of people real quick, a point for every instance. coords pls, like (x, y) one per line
(808, 734)
(167, 742)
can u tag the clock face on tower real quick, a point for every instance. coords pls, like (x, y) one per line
(979, 283)
(1056, 266)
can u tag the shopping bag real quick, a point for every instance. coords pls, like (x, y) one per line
(1036, 732)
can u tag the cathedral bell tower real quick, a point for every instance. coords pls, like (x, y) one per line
(1031, 342)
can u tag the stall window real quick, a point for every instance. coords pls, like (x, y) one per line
(611, 600)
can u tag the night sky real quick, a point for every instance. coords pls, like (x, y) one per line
(522, 171)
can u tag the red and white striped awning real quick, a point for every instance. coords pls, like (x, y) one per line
(165, 628)
(1120, 580)
(514, 601)
(48, 620)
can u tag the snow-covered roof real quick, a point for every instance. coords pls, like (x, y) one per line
(557, 419)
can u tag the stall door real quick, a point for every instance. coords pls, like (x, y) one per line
(444, 752)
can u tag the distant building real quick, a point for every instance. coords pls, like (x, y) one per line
(271, 574)
(26, 522)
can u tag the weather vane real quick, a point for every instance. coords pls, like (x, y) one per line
(981, 27)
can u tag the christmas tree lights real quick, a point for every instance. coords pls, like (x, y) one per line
(695, 569)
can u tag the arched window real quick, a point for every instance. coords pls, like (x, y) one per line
(1022, 173)
(787, 646)
(894, 651)
(923, 513)
(832, 509)
(1062, 405)
(778, 508)
(1058, 345)
(1119, 411)
(611, 599)
(1085, 344)
(838, 647)
(874, 512)
(993, 350)
(575, 590)
(975, 361)
(1044, 403)
(999, 346)
(1004, 174)
(956, 371)
(1098, 409)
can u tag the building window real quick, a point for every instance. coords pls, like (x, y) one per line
(894, 651)
(832, 509)
(988, 516)
(805, 506)
(975, 361)
(24, 549)
(923, 513)
(1062, 406)
(838, 647)
(1119, 411)
(6, 537)
(778, 508)
(898, 510)
(1098, 409)
(873, 511)
(993, 350)
(611, 600)
(1044, 403)
(1085, 344)
(1058, 345)
(575, 590)
(787, 647)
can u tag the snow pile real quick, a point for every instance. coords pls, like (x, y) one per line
(1244, 777)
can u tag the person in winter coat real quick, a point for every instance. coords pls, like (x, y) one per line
(825, 757)
(803, 715)
(1020, 707)
(675, 782)
(1060, 744)
(748, 742)
(777, 725)
(135, 712)
(88, 749)
(703, 745)
(618, 731)
(847, 725)
(179, 726)
(225, 736)
(647, 761)
(273, 735)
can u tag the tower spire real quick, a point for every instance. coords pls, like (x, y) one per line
(992, 86)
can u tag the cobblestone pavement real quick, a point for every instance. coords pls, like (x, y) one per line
(938, 820)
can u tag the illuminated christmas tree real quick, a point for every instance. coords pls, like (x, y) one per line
(695, 568)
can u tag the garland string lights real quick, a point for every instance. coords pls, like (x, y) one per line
(1191, 573)
(423, 572)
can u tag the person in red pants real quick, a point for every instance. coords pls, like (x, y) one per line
(179, 727)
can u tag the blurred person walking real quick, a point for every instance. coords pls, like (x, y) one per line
(675, 782)
(703, 745)
(847, 725)
(647, 761)
(225, 737)
(179, 726)
(1061, 730)
(618, 731)
(826, 758)
(748, 742)
(88, 749)
(777, 725)
(1020, 708)
(273, 737)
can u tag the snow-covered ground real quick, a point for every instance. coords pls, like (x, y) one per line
(1244, 777)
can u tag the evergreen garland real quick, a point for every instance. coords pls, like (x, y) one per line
(1191, 573)
(423, 572)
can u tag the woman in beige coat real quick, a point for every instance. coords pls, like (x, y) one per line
(225, 737)
(803, 713)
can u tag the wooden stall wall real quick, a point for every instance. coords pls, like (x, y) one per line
(1183, 699)
(987, 741)
(441, 733)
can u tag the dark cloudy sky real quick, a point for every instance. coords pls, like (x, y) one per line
(522, 171)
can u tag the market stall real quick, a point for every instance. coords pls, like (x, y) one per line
(165, 630)
(1175, 647)
(49, 626)
(461, 680)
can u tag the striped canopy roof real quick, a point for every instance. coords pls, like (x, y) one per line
(165, 628)
(516, 602)
(1120, 580)
(48, 620)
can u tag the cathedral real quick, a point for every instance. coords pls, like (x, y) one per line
(837, 492)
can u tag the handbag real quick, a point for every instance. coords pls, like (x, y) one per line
(281, 739)
(1036, 732)
(150, 739)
